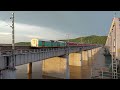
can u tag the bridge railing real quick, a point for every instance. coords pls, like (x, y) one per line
(2, 63)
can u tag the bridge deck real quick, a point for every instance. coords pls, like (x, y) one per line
(33, 55)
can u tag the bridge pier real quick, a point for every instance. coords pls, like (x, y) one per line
(85, 55)
(93, 52)
(96, 50)
(57, 67)
(67, 67)
(29, 70)
(89, 54)
(9, 72)
(81, 58)
(75, 59)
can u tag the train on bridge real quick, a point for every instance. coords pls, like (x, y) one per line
(40, 43)
(52, 43)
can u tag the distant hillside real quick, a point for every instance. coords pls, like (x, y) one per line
(93, 39)
(23, 43)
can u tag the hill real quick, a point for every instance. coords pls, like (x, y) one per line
(23, 43)
(93, 39)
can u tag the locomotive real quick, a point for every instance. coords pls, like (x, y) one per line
(47, 43)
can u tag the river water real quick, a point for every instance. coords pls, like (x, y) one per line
(76, 72)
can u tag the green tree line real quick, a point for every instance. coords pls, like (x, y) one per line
(93, 39)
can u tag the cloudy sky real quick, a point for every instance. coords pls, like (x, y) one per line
(54, 25)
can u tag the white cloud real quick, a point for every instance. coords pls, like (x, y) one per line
(33, 36)
(5, 33)
(25, 32)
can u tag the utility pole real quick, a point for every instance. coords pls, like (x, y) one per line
(13, 39)
(67, 57)
(68, 42)
(10, 71)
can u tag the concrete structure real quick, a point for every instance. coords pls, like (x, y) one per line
(57, 70)
(29, 68)
(113, 37)
(34, 55)
(85, 55)
(75, 59)
(112, 46)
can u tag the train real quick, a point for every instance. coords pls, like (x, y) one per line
(54, 43)
(47, 43)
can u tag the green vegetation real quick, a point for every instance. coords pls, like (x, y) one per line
(93, 39)
(23, 43)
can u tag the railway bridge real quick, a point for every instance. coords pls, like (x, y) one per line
(26, 55)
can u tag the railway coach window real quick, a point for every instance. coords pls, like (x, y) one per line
(33, 41)
(58, 44)
(43, 43)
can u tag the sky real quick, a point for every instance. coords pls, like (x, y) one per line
(54, 25)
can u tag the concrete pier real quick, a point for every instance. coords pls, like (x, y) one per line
(29, 68)
(75, 59)
(8, 74)
(89, 54)
(85, 55)
(37, 68)
(56, 67)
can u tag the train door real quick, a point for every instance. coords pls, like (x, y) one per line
(34, 42)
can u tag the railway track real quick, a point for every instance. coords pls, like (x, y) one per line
(5, 47)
